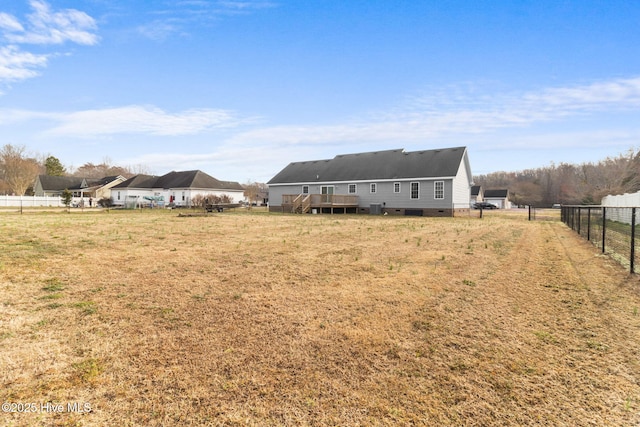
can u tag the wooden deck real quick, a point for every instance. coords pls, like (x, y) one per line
(305, 203)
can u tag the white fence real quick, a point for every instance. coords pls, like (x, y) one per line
(627, 200)
(30, 201)
(622, 200)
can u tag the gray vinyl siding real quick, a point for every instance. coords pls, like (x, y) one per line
(384, 193)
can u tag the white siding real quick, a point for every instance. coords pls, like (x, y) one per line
(462, 186)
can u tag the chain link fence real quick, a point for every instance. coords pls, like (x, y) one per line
(613, 229)
(543, 214)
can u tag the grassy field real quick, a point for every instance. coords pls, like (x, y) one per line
(148, 318)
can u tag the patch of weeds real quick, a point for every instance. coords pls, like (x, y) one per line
(598, 346)
(635, 311)
(88, 370)
(53, 305)
(468, 282)
(459, 366)
(98, 289)
(421, 325)
(41, 323)
(51, 296)
(5, 335)
(53, 285)
(198, 297)
(545, 337)
(86, 307)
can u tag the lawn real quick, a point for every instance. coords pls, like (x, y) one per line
(150, 318)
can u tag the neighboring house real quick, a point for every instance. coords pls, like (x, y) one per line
(96, 188)
(177, 188)
(394, 182)
(500, 198)
(477, 194)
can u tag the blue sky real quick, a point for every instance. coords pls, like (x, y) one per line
(240, 88)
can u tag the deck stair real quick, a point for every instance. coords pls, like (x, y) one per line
(301, 204)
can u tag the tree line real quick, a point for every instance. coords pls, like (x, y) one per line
(19, 169)
(565, 183)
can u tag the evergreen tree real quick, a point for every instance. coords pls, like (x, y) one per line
(54, 167)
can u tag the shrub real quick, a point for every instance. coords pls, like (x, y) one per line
(105, 202)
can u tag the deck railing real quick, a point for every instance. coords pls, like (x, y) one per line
(320, 200)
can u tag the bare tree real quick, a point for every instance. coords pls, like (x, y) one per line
(19, 171)
(255, 191)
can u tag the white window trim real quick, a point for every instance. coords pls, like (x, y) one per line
(373, 188)
(355, 188)
(411, 190)
(435, 192)
(302, 191)
(399, 187)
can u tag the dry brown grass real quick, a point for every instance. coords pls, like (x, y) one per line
(259, 319)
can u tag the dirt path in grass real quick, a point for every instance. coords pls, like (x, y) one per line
(553, 338)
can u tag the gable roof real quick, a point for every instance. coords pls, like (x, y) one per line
(60, 183)
(389, 164)
(185, 179)
(502, 194)
(475, 190)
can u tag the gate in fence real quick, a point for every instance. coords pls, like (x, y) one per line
(613, 229)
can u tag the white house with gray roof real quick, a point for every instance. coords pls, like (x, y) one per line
(394, 182)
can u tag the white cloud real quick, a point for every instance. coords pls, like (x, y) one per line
(16, 65)
(422, 119)
(45, 26)
(178, 18)
(135, 119)
(9, 23)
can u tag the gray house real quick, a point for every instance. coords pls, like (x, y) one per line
(394, 182)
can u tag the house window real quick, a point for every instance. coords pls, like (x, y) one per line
(415, 190)
(305, 189)
(352, 188)
(396, 187)
(183, 196)
(438, 190)
(118, 195)
(374, 187)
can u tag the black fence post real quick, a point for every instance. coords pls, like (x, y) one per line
(579, 219)
(604, 226)
(589, 224)
(633, 238)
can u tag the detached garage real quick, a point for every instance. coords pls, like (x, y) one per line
(500, 198)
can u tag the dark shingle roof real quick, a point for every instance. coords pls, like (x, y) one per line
(59, 183)
(390, 164)
(138, 181)
(185, 179)
(496, 193)
(475, 190)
